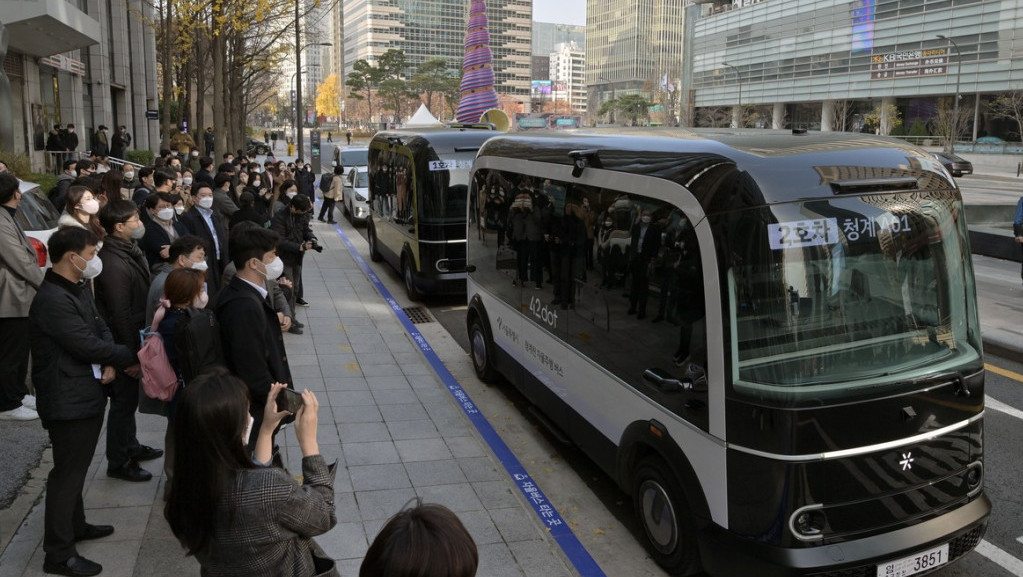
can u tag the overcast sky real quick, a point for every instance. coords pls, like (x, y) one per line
(560, 11)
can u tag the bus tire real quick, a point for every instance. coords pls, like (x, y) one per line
(410, 280)
(664, 513)
(374, 252)
(481, 349)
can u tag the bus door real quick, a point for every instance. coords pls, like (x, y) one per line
(396, 205)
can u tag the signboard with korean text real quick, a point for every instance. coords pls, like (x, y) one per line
(908, 64)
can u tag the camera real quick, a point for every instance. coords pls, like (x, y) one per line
(316, 246)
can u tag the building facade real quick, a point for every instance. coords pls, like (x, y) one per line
(547, 36)
(568, 76)
(820, 64)
(430, 29)
(631, 47)
(81, 62)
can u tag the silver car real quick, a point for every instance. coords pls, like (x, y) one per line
(38, 218)
(355, 195)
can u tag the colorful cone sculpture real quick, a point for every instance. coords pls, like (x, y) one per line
(477, 88)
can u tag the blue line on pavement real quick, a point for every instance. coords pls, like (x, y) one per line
(543, 508)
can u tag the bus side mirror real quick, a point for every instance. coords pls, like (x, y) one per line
(663, 381)
(470, 268)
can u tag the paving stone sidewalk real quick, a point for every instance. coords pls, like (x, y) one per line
(384, 416)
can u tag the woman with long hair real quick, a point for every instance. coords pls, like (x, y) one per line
(236, 515)
(80, 210)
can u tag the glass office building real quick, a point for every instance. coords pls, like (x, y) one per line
(804, 62)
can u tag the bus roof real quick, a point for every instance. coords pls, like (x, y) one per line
(441, 138)
(782, 166)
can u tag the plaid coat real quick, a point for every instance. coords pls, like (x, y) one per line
(274, 521)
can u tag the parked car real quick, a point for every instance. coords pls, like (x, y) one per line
(355, 195)
(254, 147)
(955, 164)
(38, 218)
(357, 157)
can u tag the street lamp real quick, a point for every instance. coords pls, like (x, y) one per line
(614, 96)
(955, 105)
(738, 79)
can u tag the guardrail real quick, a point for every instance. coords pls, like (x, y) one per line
(55, 160)
(967, 146)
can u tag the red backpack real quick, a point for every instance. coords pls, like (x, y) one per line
(159, 380)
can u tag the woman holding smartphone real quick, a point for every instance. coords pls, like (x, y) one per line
(237, 515)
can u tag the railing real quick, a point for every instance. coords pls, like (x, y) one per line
(55, 160)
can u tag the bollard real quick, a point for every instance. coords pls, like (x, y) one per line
(1019, 166)
(291, 149)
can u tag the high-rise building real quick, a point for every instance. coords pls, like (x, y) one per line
(568, 81)
(430, 29)
(631, 46)
(547, 35)
(81, 62)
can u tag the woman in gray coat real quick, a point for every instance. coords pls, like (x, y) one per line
(237, 515)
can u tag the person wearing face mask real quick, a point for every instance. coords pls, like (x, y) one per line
(58, 194)
(100, 146)
(75, 358)
(297, 237)
(188, 252)
(121, 296)
(204, 222)
(19, 278)
(186, 180)
(80, 210)
(646, 243)
(249, 327)
(205, 173)
(162, 228)
(128, 177)
(223, 204)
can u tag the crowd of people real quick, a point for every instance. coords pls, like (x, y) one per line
(211, 260)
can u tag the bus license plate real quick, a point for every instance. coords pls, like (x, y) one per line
(923, 561)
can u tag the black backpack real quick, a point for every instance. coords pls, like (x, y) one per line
(197, 338)
(325, 180)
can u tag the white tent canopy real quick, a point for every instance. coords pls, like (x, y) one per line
(422, 117)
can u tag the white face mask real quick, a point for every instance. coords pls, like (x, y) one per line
(274, 269)
(201, 301)
(129, 175)
(92, 267)
(187, 180)
(165, 213)
(179, 210)
(255, 183)
(645, 219)
(90, 206)
(138, 233)
(206, 202)
(291, 194)
(248, 431)
(195, 153)
(200, 265)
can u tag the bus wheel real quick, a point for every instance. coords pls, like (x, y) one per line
(482, 350)
(374, 252)
(410, 280)
(662, 509)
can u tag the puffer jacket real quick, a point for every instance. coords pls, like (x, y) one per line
(68, 337)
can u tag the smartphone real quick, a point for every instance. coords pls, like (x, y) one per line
(289, 400)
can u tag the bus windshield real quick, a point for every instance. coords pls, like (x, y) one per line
(832, 295)
(444, 188)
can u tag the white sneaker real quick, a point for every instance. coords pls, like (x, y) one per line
(29, 401)
(22, 413)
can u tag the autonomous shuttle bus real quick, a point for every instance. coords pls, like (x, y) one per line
(769, 339)
(417, 192)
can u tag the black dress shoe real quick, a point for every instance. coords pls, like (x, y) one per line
(76, 566)
(144, 453)
(295, 330)
(331, 222)
(130, 471)
(301, 302)
(95, 532)
(295, 323)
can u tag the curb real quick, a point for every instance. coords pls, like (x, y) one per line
(12, 518)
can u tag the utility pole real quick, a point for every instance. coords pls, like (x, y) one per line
(299, 112)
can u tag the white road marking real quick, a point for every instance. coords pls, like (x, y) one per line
(1000, 557)
(997, 405)
(1019, 539)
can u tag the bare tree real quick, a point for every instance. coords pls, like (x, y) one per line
(714, 116)
(947, 125)
(1009, 105)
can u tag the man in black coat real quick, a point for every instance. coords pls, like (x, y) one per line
(204, 222)
(74, 359)
(646, 242)
(249, 328)
(121, 293)
(205, 174)
(292, 223)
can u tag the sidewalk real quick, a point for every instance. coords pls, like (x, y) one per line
(385, 416)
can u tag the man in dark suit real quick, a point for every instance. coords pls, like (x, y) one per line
(205, 174)
(646, 242)
(74, 359)
(121, 294)
(161, 230)
(249, 328)
(204, 222)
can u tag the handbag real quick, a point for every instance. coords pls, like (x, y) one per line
(159, 379)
